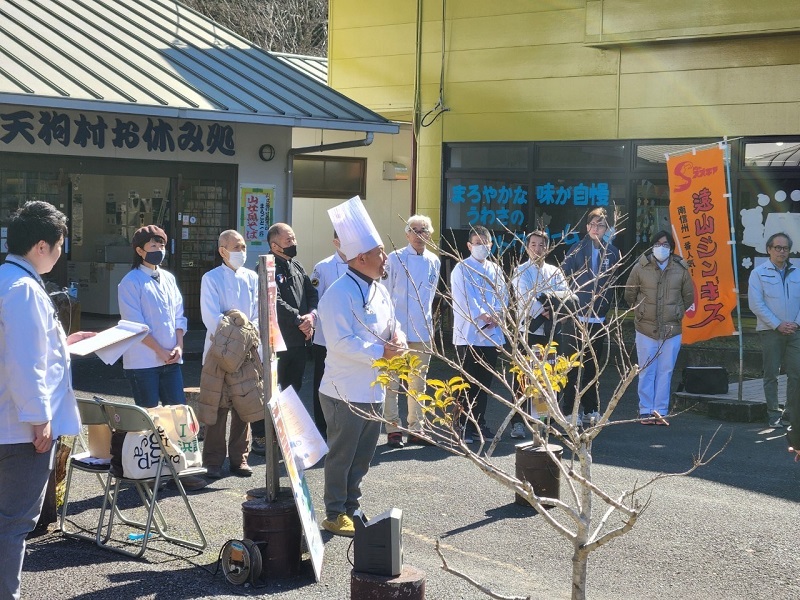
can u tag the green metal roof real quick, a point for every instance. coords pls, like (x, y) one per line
(159, 58)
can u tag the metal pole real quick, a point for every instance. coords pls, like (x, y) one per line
(266, 277)
(735, 263)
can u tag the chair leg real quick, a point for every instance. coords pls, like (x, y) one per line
(62, 524)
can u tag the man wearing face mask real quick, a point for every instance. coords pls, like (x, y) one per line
(229, 286)
(591, 271)
(297, 314)
(659, 290)
(479, 297)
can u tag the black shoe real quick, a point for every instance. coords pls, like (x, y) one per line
(192, 483)
(395, 440)
(488, 434)
(214, 472)
(259, 446)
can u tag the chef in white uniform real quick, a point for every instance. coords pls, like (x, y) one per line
(358, 322)
(412, 282)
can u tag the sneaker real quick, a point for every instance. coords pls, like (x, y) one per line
(518, 431)
(777, 423)
(343, 525)
(259, 446)
(590, 419)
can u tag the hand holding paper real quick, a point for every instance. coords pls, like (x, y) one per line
(111, 343)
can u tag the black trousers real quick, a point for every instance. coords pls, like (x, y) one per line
(470, 358)
(590, 401)
(291, 367)
(320, 352)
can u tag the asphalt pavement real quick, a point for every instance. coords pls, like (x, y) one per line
(726, 531)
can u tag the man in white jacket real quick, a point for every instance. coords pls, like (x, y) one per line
(413, 278)
(358, 321)
(230, 286)
(37, 403)
(325, 273)
(480, 298)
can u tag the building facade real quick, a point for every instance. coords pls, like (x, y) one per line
(131, 112)
(528, 114)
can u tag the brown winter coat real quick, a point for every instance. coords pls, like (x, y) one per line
(232, 375)
(659, 298)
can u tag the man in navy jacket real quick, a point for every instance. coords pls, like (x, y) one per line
(591, 269)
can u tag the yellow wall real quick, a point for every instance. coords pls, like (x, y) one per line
(517, 70)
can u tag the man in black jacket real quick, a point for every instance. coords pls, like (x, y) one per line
(297, 314)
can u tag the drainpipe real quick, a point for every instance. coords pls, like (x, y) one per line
(308, 150)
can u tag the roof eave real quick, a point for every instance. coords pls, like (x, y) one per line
(170, 112)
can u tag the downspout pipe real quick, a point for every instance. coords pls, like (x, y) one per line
(368, 139)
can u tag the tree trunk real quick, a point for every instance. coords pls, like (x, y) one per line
(580, 566)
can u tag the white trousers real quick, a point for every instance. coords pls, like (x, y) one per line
(657, 359)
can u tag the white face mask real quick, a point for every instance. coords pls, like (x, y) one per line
(237, 259)
(479, 252)
(661, 253)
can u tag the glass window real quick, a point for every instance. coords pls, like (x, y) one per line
(489, 156)
(562, 203)
(612, 155)
(330, 177)
(652, 211)
(766, 206)
(493, 203)
(772, 154)
(654, 155)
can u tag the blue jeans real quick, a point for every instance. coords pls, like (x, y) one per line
(157, 383)
(23, 481)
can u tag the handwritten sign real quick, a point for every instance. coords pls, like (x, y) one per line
(255, 212)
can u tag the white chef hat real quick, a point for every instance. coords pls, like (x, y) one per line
(352, 224)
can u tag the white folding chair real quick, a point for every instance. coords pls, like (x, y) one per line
(130, 418)
(92, 413)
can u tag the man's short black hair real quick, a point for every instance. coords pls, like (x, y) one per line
(36, 221)
(664, 233)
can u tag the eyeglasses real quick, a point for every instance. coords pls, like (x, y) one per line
(419, 231)
(781, 248)
(664, 245)
(598, 225)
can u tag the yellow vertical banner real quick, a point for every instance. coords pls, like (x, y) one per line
(698, 207)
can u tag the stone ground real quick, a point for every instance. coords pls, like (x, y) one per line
(726, 531)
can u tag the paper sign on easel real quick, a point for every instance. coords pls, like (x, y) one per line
(302, 446)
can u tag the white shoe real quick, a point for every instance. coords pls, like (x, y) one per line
(518, 431)
(590, 419)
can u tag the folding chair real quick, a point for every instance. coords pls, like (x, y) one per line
(131, 418)
(92, 413)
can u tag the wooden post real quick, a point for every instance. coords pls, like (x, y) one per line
(266, 278)
(409, 585)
